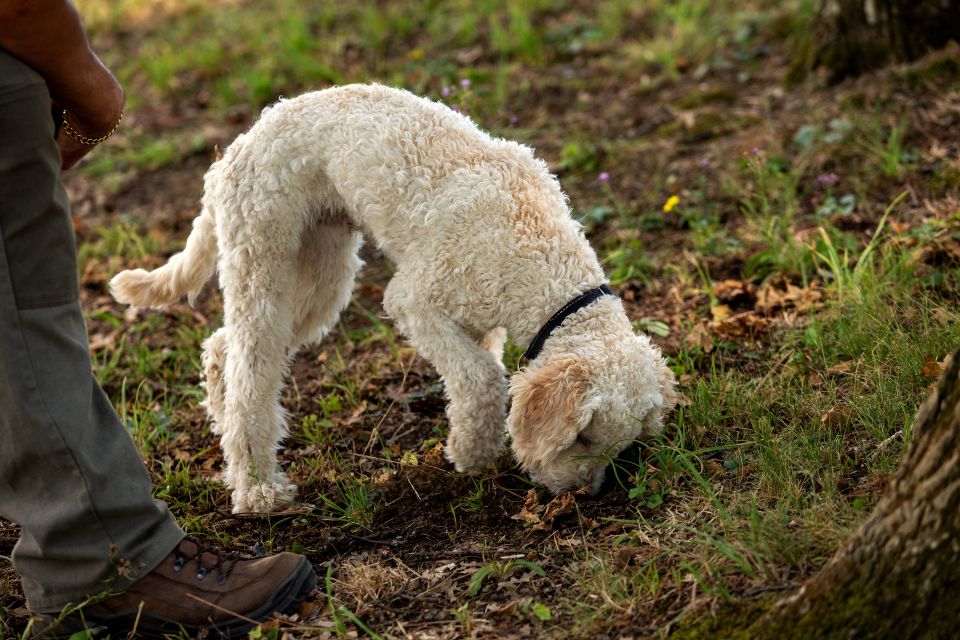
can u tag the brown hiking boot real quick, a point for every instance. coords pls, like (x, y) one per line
(197, 591)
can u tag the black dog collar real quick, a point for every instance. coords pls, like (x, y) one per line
(581, 301)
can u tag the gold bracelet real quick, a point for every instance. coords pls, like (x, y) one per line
(82, 139)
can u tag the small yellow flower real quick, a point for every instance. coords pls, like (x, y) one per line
(671, 202)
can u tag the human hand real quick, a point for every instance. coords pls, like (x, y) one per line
(49, 36)
(90, 116)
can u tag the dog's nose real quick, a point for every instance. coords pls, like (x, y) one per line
(618, 471)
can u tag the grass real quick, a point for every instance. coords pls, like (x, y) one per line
(791, 442)
(759, 233)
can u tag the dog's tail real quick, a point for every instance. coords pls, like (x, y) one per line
(183, 275)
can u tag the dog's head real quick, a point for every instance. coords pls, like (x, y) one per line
(571, 414)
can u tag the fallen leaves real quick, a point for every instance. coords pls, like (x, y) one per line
(778, 295)
(741, 312)
(740, 327)
(735, 292)
(720, 313)
(542, 516)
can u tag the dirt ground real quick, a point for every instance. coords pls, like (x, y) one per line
(418, 550)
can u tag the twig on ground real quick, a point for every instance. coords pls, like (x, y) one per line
(789, 586)
(774, 368)
(886, 443)
(236, 615)
(375, 433)
(368, 540)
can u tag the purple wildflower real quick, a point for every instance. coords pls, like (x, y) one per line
(603, 177)
(446, 91)
(828, 179)
(465, 83)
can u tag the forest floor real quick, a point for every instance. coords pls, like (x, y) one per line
(793, 248)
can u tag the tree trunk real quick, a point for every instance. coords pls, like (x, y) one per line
(850, 37)
(899, 575)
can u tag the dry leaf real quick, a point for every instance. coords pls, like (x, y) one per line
(840, 367)
(563, 503)
(931, 369)
(699, 336)
(720, 312)
(742, 325)
(542, 517)
(770, 297)
(434, 457)
(357, 415)
(835, 416)
(101, 341)
(898, 227)
(371, 290)
(734, 291)
(530, 505)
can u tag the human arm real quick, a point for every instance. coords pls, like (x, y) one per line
(49, 36)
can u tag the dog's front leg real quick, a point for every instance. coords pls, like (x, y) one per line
(474, 380)
(476, 413)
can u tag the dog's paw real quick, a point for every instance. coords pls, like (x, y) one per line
(284, 490)
(264, 497)
(470, 454)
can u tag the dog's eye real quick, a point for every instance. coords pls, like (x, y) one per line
(585, 441)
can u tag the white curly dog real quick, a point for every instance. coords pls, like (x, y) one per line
(483, 243)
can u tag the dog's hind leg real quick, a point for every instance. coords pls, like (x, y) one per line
(258, 328)
(214, 360)
(473, 377)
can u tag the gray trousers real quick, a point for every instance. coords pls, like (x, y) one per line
(70, 475)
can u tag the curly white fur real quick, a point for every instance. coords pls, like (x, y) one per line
(483, 241)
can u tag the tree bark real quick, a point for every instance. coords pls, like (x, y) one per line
(899, 575)
(850, 37)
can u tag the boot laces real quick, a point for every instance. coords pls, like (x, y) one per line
(209, 559)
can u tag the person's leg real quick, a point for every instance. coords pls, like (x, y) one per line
(70, 475)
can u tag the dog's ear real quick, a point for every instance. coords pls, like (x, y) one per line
(550, 407)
